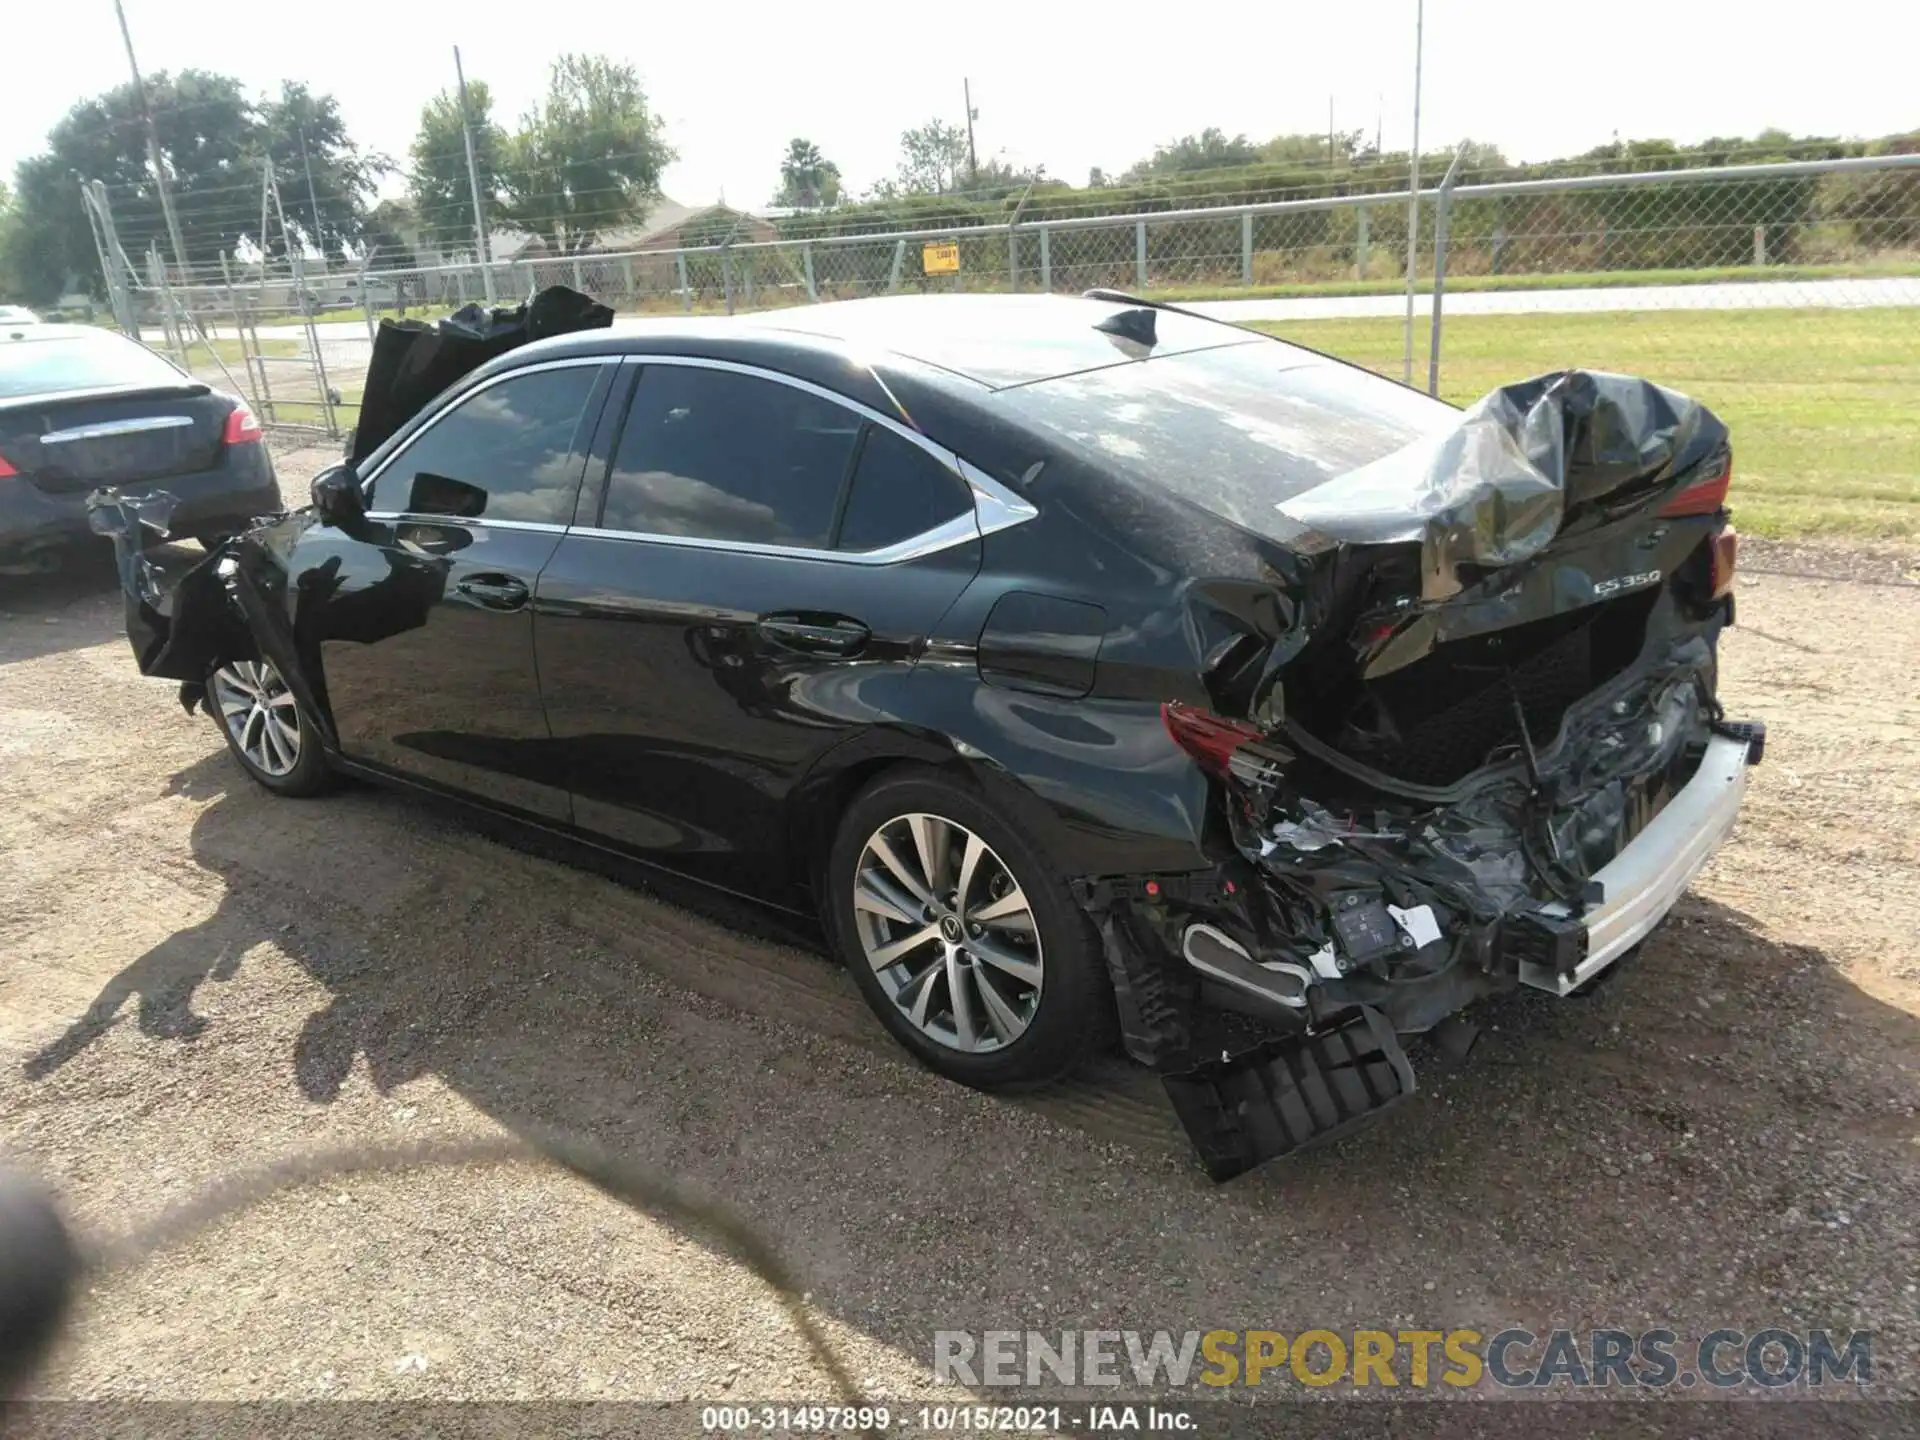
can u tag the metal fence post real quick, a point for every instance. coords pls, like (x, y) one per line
(686, 291)
(1140, 253)
(726, 276)
(1246, 248)
(746, 277)
(1759, 244)
(1013, 258)
(626, 276)
(806, 257)
(579, 279)
(1046, 262)
(256, 380)
(1443, 202)
(1360, 244)
(366, 296)
(899, 260)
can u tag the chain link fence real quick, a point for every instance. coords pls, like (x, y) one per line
(1787, 295)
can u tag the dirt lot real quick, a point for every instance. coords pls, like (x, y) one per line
(194, 977)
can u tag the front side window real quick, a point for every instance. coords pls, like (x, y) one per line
(717, 455)
(506, 453)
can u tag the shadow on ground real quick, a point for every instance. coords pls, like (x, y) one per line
(1586, 1166)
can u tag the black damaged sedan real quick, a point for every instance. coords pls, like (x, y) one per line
(1078, 661)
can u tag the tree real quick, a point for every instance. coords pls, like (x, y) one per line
(588, 157)
(10, 285)
(438, 184)
(384, 236)
(1310, 150)
(213, 138)
(807, 181)
(304, 135)
(933, 159)
(1209, 150)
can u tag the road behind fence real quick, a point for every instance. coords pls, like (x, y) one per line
(1783, 294)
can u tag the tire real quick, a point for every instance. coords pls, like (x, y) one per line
(1032, 1013)
(265, 730)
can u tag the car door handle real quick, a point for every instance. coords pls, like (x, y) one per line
(816, 635)
(496, 592)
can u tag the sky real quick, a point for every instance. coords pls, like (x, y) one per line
(1067, 86)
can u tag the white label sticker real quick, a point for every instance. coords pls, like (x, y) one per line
(1418, 922)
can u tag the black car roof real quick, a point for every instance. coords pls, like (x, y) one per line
(997, 341)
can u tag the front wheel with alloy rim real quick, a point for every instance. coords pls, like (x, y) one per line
(265, 729)
(962, 937)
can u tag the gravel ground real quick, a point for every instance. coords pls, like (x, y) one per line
(198, 977)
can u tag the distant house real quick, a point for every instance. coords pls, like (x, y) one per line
(673, 226)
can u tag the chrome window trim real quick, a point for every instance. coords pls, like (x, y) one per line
(412, 517)
(995, 507)
(957, 531)
(131, 426)
(568, 363)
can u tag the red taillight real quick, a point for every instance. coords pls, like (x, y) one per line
(1726, 551)
(242, 428)
(6, 469)
(1209, 738)
(1704, 497)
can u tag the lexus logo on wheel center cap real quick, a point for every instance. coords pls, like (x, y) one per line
(950, 929)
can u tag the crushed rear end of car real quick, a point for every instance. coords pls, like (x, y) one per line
(1480, 747)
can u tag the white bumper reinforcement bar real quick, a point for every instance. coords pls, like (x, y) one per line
(1645, 879)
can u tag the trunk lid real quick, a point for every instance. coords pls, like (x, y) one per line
(75, 443)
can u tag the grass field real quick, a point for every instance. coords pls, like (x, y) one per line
(310, 412)
(1824, 405)
(1894, 266)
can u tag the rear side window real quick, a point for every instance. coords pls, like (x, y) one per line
(506, 453)
(899, 491)
(717, 455)
(100, 361)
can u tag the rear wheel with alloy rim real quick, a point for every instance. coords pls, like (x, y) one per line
(961, 935)
(261, 720)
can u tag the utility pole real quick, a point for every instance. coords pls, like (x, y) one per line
(973, 165)
(1413, 179)
(153, 148)
(313, 200)
(473, 181)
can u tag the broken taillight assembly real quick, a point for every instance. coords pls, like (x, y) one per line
(1209, 738)
(242, 427)
(1703, 497)
(1725, 552)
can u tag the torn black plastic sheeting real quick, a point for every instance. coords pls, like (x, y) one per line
(412, 361)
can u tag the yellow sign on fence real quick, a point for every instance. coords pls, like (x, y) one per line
(940, 259)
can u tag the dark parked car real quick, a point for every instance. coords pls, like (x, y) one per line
(82, 407)
(1073, 659)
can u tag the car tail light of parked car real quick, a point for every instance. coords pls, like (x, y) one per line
(242, 427)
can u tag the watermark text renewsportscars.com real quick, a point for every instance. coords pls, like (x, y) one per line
(1515, 1358)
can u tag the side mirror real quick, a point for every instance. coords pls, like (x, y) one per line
(338, 498)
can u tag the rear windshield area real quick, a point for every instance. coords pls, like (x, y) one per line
(98, 361)
(1237, 429)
